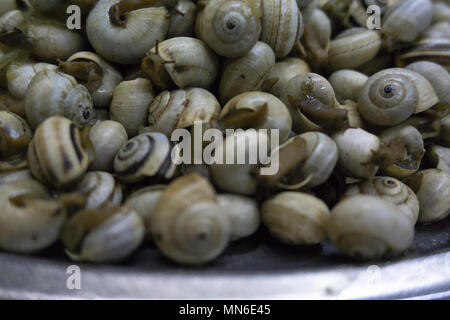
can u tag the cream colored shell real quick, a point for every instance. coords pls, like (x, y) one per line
(283, 71)
(15, 134)
(296, 218)
(440, 157)
(182, 19)
(436, 75)
(348, 84)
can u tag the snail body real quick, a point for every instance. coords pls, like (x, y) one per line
(181, 62)
(147, 155)
(246, 73)
(102, 235)
(56, 156)
(53, 93)
(389, 189)
(369, 227)
(391, 96)
(125, 41)
(230, 28)
(281, 25)
(296, 218)
(130, 102)
(189, 225)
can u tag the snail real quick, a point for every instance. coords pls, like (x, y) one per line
(8, 5)
(230, 28)
(99, 77)
(30, 220)
(348, 84)
(369, 227)
(12, 104)
(389, 189)
(53, 93)
(246, 73)
(405, 20)
(354, 118)
(352, 48)
(56, 156)
(383, 60)
(316, 37)
(102, 235)
(19, 75)
(189, 225)
(391, 96)
(107, 137)
(432, 187)
(15, 135)
(130, 103)
(147, 155)
(441, 12)
(436, 75)
(171, 110)
(143, 202)
(11, 176)
(100, 189)
(181, 62)
(182, 19)
(282, 25)
(296, 218)
(409, 139)
(238, 177)
(282, 72)
(123, 31)
(440, 157)
(438, 30)
(312, 103)
(244, 215)
(257, 110)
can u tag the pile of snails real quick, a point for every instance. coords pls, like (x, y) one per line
(86, 118)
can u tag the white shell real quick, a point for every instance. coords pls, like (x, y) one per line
(348, 84)
(100, 189)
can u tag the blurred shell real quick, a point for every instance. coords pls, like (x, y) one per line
(283, 71)
(348, 84)
(100, 189)
(440, 157)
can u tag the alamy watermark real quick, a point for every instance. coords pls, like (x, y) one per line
(73, 281)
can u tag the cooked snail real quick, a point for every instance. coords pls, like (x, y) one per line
(15, 135)
(100, 189)
(348, 84)
(282, 72)
(369, 227)
(389, 189)
(189, 225)
(53, 93)
(12, 104)
(102, 235)
(147, 155)
(440, 158)
(182, 19)
(296, 218)
(244, 215)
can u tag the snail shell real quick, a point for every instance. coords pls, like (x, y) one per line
(244, 215)
(369, 227)
(444, 137)
(181, 62)
(102, 235)
(432, 187)
(296, 218)
(15, 134)
(144, 156)
(352, 48)
(230, 28)
(405, 20)
(8, 5)
(354, 118)
(246, 73)
(107, 138)
(348, 84)
(441, 12)
(304, 3)
(238, 178)
(126, 44)
(144, 201)
(411, 139)
(6, 177)
(55, 155)
(171, 110)
(29, 220)
(182, 19)
(283, 71)
(129, 105)
(440, 157)
(109, 77)
(389, 189)
(357, 148)
(100, 189)
(189, 225)
(281, 25)
(53, 93)
(436, 75)
(19, 75)
(429, 49)
(391, 96)
(10, 103)
(244, 111)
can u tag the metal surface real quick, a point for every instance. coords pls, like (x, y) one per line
(255, 268)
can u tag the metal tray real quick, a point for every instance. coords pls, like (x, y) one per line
(254, 268)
